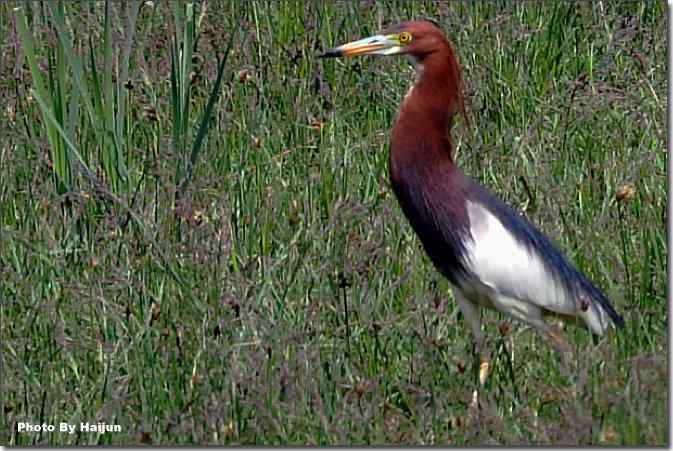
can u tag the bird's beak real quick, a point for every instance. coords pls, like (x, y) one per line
(373, 45)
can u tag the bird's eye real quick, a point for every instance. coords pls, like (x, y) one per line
(405, 37)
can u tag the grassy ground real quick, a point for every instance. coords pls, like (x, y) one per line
(275, 294)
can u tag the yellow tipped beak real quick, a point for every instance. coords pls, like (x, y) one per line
(360, 48)
(374, 45)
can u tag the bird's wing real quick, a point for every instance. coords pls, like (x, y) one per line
(501, 261)
(508, 254)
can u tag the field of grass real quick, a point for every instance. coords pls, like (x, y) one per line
(224, 262)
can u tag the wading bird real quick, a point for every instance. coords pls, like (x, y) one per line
(492, 255)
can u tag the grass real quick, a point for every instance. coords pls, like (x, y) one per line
(262, 286)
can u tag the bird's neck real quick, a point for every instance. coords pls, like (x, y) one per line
(424, 121)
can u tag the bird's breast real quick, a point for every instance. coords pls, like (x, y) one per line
(434, 205)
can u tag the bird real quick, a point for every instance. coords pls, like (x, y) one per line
(492, 256)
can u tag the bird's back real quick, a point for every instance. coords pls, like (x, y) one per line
(476, 240)
(530, 266)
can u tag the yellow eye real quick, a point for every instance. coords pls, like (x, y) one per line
(404, 37)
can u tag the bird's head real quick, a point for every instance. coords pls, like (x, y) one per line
(430, 52)
(416, 39)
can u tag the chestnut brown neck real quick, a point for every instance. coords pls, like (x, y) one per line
(424, 121)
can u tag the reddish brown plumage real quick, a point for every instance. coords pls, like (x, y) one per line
(430, 189)
(436, 96)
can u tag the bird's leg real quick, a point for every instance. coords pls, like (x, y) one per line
(484, 365)
(560, 343)
(554, 334)
(558, 339)
(533, 315)
(484, 359)
(472, 317)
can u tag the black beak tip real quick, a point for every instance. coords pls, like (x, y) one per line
(331, 53)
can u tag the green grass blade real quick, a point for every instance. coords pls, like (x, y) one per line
(74, 59)
(176, 109)
(111, 151)
(58, 158)
(122, 78)
(207, 114)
